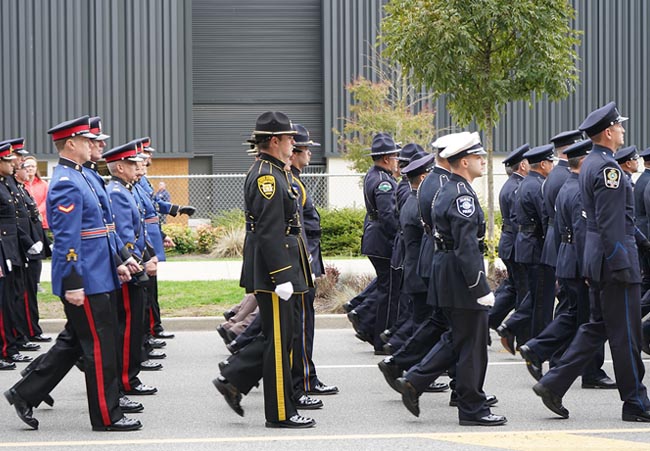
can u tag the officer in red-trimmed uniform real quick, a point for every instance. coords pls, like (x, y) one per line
(83, 275)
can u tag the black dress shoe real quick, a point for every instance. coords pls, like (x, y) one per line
(231, 394)
(410, 396)
(156, 343)
(639, 417)
(233, 347)
(385, 336)
(322, 389)
(4, 365)
(29, 346)
(226, 335)
(381, 352)
(163, 335)
(437, 387)
(552, 401)
(388, 349)
(363, 337)
(148, 365)
(48, 400)
(391, 373)
(41, 338)
(353, 316)
(507, 338)
(308, 403)
(295, 422)
(123, 424)
(533, 363)
(141, 389)
(487, 420)
(129, 406)
(23, 409)
(228, 314)
(490, 400)
(18, 357)
(604, 383)
(156, 355)
(347, 307)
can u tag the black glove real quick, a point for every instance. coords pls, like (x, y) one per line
(621, 276)
(187, 210)
(644, 247)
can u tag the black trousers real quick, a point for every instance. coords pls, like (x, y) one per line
(14, 290)
(425, 337)
(465, 345)
(7, 339)
(30, 298)
(89, 332)
(615, 316)
(152, 319)
(303, 368)
(359, 298)
(131, 334)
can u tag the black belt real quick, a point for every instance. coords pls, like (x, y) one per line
(567, 238)
(289, 229)
(529, 228)
(508, 228)
(444, 245)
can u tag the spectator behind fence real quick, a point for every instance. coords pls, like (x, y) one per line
(163, 195)
(36, 186)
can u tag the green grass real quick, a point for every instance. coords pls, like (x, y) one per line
(197, 298)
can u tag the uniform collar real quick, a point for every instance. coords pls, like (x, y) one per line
(562, 163)
(517, 174)
(379, 168)
(127, 185)
(440, 170)
(74, 165)
(272, 159)
(295, 171)
(536, 174)
(605, 150)
(90, 165)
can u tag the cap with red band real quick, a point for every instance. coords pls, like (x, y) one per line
(69, 129)
(96, 128)
(5, 151)
(128, 151)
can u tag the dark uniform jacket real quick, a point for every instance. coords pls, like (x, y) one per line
(23, 221)
(458, 274)
(571, 226)
(128, 221)
(608, 201)
(640, 210)
(81, 257)
(412, 232)
(426, 192)
(380, 224)
(507, 208)
(528, 211)
(274, 251)
(36, 231)
(550, 188)
(310, 220)
(8, 229)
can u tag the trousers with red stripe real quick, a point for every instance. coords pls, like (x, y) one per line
(90, 332)
(131, 336)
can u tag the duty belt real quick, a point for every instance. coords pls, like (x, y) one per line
(567, 238)
(508, 228)
(443, 245)
(530, 228)
(152, 220)
(289, 229)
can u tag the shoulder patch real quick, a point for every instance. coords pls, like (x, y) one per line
(465, 206)
(384, 187)
(266, 185)
(612, 177)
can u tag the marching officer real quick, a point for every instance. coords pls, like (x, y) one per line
(642, 214)
(612, 271)
(628, 159)
(276, 269)
(83, 275)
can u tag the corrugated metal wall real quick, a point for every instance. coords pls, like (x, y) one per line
(127, 61)
(251, 56)
(614, 65)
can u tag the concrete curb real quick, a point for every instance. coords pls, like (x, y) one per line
(206, 323)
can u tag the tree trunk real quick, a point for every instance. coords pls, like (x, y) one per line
(491, 244)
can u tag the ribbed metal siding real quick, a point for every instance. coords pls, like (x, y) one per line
(127, 61)
(251, 56)
(614, 65)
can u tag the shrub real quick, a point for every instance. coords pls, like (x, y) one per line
(206, 238)
(342, 231)
(230, 243)
(182, 237)
(229, 218)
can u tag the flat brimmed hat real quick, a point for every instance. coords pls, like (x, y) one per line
(383, 144)
(273, 123)
(410, 151)
(463, 145)
(516, 155)
(302, 137)
(600, 119)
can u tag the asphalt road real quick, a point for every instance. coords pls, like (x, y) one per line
(189, 414)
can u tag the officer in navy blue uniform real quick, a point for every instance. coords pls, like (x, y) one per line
(642, 215)
(571, 226)
(83, 275)
(612, 271)
(628, 159)
(380, 227)
(459, 286)
(513, 288)
(536, 309)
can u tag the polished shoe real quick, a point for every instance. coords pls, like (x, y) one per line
(228, 314)
(23, 409)
(381, 352)
(533, 363)
(437, 387)
(490, 400)
(295, 422)
(353, 316)
(638, 417)
(233, 347)
(507, 338)
(156, 343)
(363, 337)
(4, 365)
(388, 349)
(308, 403)
(603, 383)
(391, 372)
(222, 365)
(487, 420)
(385, 336)
(552, 401)
(231, 394)
(29, 346)
(163, 335)
(156, 355)
(41, 338)
(226, 335)
(148, 365)
(18, 357)
(410, 396)
(141, 389)
(347, 307)
(48, 400)
(322, 389)
(129, 406)
(123, 424)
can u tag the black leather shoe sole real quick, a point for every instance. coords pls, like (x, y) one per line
(290, 424)
(533, 363)
(551, 400)
(599, 386)
(231, 395)
(23, 410)
(436, 387)
(7, 365)
(119, 428)
(481, 422)
(391, 373)
(637, 417)
(315, 406)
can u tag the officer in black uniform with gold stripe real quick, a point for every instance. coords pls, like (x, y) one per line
(275, 268)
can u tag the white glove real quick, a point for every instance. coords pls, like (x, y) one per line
(487, 300)
(36, 248)
(284, 290)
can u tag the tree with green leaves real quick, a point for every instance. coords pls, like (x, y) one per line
(483, 54)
